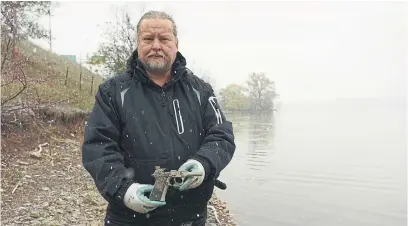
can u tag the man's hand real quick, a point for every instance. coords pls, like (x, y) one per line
(137, 200)
(192, 181)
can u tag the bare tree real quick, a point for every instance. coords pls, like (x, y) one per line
(204, 74)
(22, 72)
(261, 92)
(119, 42)
(19, 21)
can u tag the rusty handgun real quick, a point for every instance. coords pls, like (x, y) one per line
(164, 179)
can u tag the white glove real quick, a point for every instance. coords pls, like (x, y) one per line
(192, 181)
(136, 199)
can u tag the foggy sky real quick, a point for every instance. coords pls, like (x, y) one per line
(313, 50)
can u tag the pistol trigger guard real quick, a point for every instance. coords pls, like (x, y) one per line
(178, 184)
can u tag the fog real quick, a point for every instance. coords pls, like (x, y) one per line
(312, 50)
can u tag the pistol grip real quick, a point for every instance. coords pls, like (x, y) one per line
(159, 190)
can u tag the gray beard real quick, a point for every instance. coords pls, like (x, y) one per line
(156, 67)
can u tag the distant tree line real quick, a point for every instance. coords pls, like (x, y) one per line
(257, 95)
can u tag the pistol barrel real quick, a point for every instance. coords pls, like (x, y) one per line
(194, 174)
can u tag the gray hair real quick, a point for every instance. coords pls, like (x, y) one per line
(156, 15)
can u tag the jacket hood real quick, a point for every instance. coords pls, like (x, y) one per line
(134, 63)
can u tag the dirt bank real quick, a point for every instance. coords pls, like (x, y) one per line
(51, 187)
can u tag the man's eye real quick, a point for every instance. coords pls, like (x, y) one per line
(147, 39)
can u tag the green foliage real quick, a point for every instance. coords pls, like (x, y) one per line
(233, 98)
(97, 60)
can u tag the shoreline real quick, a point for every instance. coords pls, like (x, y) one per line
(218, 213)
(51, 187)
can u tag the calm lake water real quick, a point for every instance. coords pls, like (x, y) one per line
(338, 163)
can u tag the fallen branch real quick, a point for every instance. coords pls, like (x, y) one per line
(215, 213)
(37, 154)
(18, 184)
(64, 140)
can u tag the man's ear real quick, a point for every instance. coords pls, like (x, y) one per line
(136, 39)
(177, 43)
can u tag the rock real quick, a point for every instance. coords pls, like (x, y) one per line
(35, 154)
(35, 214)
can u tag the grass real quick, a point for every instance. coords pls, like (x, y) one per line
(56, 86)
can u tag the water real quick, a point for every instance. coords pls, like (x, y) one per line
(339, 163)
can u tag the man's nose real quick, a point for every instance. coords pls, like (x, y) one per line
(156, 44)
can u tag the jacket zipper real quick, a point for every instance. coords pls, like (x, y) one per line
(163, 98)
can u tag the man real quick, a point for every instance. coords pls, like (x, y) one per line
(156, 114)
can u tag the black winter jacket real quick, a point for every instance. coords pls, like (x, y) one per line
(136, 125)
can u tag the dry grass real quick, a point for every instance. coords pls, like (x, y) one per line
(47, 81)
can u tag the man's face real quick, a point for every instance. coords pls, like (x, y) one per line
(157, 45)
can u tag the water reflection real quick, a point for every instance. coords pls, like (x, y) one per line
(307, 166)
(260, 140)
(239, 121)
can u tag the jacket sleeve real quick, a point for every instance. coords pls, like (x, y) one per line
(218, 146)
(101, 154)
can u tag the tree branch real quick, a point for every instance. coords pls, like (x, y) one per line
(19, 92)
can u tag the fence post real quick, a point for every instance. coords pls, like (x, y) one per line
(92, 83)
(80, 79)
(66, 77)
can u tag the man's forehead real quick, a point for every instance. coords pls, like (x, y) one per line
(156, 25)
